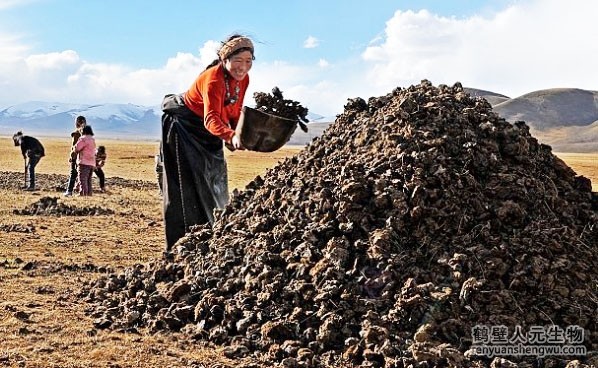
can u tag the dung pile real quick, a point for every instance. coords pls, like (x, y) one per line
(416, 217)
(17, 228)
(276, 104)
(50, 206)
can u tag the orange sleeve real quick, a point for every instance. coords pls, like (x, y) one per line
(215, 111)
(206, 98)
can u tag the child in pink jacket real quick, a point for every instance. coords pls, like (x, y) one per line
(86, 160)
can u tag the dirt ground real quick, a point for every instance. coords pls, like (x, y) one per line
(44, 259)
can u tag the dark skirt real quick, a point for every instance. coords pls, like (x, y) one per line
(195, 174)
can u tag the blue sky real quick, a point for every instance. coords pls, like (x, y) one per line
(318, 52)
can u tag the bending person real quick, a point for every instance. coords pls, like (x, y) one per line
(195, 125)
(32, 151)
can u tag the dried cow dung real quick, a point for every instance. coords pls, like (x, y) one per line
(17, 228)
(50, 206)
(276, 104)
(414, 218)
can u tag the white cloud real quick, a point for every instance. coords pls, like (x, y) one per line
(11, 49)
(64, 77)
(311, 42)
(529, 46)
(113, 83)
(53, 60)
(209, 52)
(281, 74)
(5, 4)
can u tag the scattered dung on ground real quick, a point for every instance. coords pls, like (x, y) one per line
(17, 228)
(50, 206)
(416, 219)
(37, 268)
(57, 182)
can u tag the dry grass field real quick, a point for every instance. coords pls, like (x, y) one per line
(585, 164)
(44, 259)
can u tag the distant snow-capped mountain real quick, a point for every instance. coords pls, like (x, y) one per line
(57, 119)
(107, 120)
(565, 118)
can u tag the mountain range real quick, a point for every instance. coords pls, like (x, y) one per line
(125, 121)
(565, 118)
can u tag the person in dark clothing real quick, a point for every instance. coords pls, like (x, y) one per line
(80, 123)
(99, 171)
(32, 151)
(159, 167)
(195, 126)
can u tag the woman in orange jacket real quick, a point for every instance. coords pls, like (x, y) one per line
(195, 125)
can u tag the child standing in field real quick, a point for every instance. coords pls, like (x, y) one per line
(80, 123)
(86, 160)
(100, 161)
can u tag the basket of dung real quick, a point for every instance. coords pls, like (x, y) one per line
(264, 132)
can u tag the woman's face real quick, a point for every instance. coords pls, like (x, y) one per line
(238, 65)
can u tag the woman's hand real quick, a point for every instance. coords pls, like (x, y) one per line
(236, 142)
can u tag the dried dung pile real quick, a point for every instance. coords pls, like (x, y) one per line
(276, 104)
(50, 206)
(56, 182)
(12, 180)
(415, 217)
(17, 228)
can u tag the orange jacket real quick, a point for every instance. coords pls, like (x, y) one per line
(206, 98)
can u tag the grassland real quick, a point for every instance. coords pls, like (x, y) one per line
(45, 259)
(42, 323)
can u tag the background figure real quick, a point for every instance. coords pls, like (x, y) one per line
(194, 126)
(86, 160)
(80, 123)
(32, 151)
(100, 161)
(159, 171)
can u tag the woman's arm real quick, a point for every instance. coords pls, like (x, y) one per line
(80, 145)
